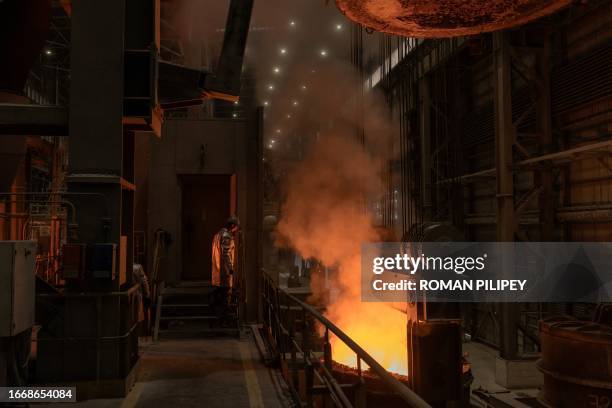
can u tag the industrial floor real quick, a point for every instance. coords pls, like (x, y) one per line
(200, 373)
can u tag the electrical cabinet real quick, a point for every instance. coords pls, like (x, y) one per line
(74, 261)
(102, 261)
(17, 286)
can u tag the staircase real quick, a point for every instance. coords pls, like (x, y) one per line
(188, 310)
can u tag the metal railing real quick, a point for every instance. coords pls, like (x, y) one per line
(290, 324)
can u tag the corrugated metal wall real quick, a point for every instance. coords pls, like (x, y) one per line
(458, 74)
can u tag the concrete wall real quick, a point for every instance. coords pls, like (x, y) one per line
(201, 147)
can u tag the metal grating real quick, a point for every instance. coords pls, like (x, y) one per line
(594, 80)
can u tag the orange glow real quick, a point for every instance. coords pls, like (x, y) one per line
(376, 327)
(323, 217)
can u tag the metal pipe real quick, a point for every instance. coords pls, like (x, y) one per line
(48, 193)
(77, 295)
(71, 205)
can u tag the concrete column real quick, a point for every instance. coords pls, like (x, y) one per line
(99, 183)
(254, 198)
(96, 114)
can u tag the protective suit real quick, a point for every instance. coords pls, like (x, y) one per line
(223, 258)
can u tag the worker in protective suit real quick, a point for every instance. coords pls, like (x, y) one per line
(224, 254)
(223, 297)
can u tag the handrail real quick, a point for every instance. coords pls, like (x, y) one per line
(404, 392)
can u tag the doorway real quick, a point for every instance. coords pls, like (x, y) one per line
(207, 202)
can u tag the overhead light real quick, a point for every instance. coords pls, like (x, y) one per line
(266, 103)
(295, 103)
(234, 115)
(288, 116)
(235, 102)
(283, 51)
(48, 52)
(303, 87)
(323, 53)
(270, 146)
(276, 70)
(270, 87)
(278, 131)
(338, 27)
(292, 23)
(272, 141)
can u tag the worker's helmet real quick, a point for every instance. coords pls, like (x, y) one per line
(232, 221)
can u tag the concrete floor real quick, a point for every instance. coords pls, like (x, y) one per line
(200, 373)
(482, 359)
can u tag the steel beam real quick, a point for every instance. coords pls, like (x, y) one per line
(225, 83)
(505, 134)
(574, 154)
(22, 119)
(544, 178)
(425, 136)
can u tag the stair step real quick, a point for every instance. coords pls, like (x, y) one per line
(189, 318)
(187, 291)
(191, 333)
(200, 330)
(173, 305)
